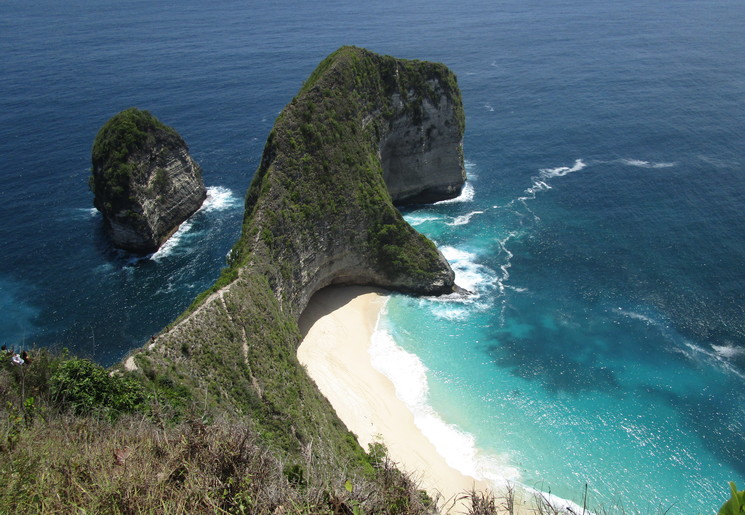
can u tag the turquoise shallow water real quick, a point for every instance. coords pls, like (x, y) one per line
(601, 229)
(534, 375)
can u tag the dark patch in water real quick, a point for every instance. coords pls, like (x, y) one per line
(716, 415)
(553, 354)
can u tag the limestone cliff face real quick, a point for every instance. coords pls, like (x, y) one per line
(422, 151)
(144, 180)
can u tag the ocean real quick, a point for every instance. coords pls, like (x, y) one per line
(601, 230)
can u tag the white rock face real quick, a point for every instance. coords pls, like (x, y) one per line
(422, 153)
(168, 192)
(161, 188)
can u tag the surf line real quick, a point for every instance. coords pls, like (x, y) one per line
(518, 206)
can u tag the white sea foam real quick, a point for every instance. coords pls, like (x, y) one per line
(541, 182)
(218, 199)
(719, 355)
(715, 356)
(538, 185)
(464, 219)
(468, 273)
(450, 311)
(173, 242)
(548, 173)
(81, 213)
(728, 351)
(470, 167)
(409, 377)
(646, 164)
(415, 219)
(638, 316)
(507, 263)
(465, 196)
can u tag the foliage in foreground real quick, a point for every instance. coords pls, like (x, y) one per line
(86, 464)
(76, 438)
(736, 504)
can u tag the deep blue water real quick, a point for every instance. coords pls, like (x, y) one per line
(603, 233)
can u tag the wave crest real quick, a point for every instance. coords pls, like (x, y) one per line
(638, 163)
(466, 195)
(561, 171)
(219, 198)
(464, 219)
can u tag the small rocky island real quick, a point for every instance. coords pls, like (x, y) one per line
(144, 180)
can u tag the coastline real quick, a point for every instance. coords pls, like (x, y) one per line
(338, 326)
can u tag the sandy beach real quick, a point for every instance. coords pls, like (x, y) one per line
(338, 326)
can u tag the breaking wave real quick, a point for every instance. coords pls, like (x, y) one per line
(464, 219)
(409, 377)
(218, 198)
(466, 195)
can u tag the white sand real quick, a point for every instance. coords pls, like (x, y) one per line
(338, 326)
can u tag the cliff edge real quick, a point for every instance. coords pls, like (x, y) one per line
(319, 211)
(144, 180)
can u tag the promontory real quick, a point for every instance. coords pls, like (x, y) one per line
(365, 131)
(144, 180)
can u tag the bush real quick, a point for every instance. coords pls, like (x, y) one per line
(736, 504)
(85, 387)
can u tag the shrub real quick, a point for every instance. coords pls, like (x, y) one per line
(85, 387)
(736, 504)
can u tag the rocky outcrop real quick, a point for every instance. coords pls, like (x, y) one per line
(366, 130)
(422, 151)
(144, 180)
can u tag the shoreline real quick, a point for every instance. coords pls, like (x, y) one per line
(337, 328)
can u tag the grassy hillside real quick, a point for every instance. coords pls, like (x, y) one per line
(74, 438)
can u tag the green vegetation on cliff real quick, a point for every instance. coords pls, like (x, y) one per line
(321, 162)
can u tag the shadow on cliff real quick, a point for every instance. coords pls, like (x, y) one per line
(328, 300)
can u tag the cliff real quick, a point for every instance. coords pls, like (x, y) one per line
(364, 131)
(144, 180)
(318, 212)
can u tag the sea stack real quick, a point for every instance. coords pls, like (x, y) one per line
(144, 181)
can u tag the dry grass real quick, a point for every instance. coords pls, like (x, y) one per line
(82, 464)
